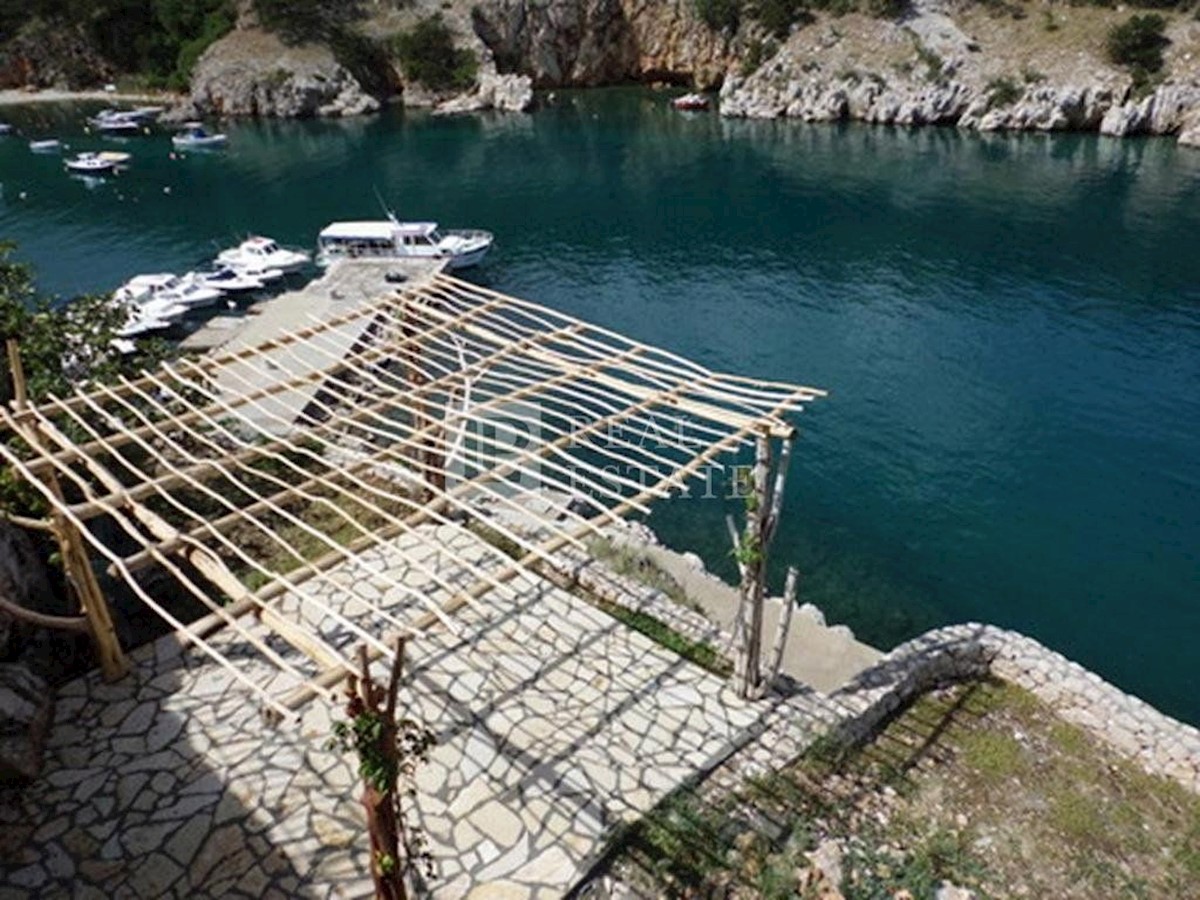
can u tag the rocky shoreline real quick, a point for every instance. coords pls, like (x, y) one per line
(1002, 66)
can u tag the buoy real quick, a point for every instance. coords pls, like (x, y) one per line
(21, 196)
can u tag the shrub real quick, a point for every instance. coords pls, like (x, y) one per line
(1002, 91)
(757, 53)
(887, 9)
(428, 55)
(778, 16)
(720, 15)
(1138, 44)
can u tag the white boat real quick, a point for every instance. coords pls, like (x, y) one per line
(112, 121)
(5, 128)
(230, 280)
(50, 145)
(89, 164)
(195, 137)
(263, 253)
(171, 289)
(251, 270)
(690, 102)
(393, 239)
(116, 157)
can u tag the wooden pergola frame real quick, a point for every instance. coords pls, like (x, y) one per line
(407, 412)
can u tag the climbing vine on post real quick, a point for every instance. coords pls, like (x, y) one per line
(764, 501)
(389, 751)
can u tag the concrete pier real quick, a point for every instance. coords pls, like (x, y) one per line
(346, 285)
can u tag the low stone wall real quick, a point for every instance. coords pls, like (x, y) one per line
(1133, 728)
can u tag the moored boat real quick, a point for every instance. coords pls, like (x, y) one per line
(194, 136)
(393, 239)
(690, 102)
(89, 164)
(48, 145)
(262, 253)
(113, 121)
(175, 290)
(230, 280)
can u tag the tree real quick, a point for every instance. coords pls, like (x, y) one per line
(428, 55)
(1138, 44)
(63, 345)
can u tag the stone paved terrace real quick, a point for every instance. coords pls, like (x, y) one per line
(553, 722)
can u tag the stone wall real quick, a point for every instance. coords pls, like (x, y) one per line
(1133, 728)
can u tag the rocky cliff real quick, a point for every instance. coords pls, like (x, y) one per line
(251, 72)
(953, 64)
(590, 42)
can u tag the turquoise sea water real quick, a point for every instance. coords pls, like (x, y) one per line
(1009, 326)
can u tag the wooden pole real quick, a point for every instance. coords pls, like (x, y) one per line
(781, 632)
(76, 565)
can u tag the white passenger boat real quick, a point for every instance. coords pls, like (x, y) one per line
(185, 292)
(194, 137)
(89, 164)
(263, 253)
(393, 239)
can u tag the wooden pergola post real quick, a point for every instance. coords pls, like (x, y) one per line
(751, 548)
(77, 566)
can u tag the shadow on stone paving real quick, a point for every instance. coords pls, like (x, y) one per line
(136, 798)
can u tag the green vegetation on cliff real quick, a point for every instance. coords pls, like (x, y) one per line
(158, 39)
(1138, 45)
(427, 54)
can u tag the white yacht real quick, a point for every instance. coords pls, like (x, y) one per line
(263, 253)
(186, 292)
(230, 280)
(393, 239)
(89, 164)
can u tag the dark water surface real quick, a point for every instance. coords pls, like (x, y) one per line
(1009, 327)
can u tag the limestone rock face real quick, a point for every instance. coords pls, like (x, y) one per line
(504, 93)
(590, 42)
(253, 73)
(576, 42)
(26, 707)
(1189, 132)
(1168, 110)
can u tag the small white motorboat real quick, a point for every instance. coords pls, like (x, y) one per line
(89, 164)
(263, 253)
(229, 280)
(112, 121)
(49, 145)
(195, 137)
(5, 128)
(690, 102)
(183, 292)
(393, 239)
(252, 270)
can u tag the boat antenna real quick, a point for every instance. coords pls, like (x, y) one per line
(386, 209)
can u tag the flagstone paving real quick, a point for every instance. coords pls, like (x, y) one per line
(553, 721)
